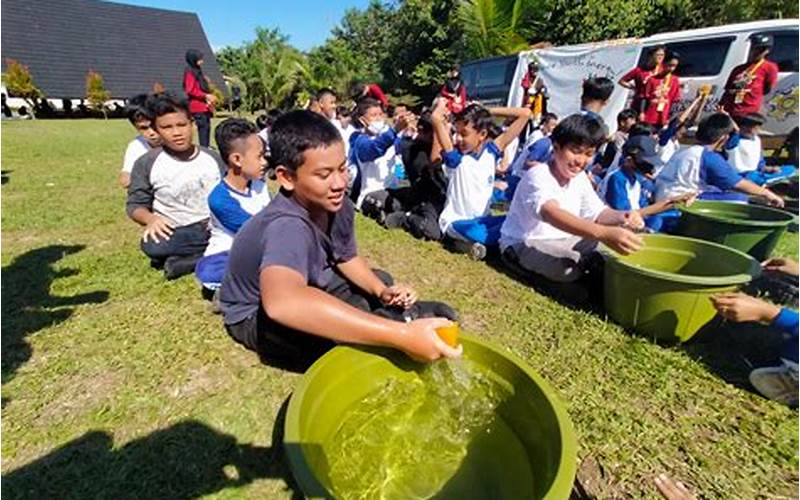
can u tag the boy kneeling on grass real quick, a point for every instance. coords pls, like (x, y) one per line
(556, 218)
(169, 190)
(241, 194)
(295, 284)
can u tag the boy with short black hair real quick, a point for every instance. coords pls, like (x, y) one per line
(556, 218)
(241, 194)
(471, 166)
(296, 285)
(142, 120)
(596, 93)
(169, 190)
(327, 102)
(702, 169)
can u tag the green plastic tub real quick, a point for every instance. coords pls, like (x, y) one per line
(752, 229)
(662, 291)
(530, 415)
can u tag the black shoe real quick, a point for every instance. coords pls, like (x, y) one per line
(180, 265)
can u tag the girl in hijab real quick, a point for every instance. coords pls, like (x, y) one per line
(201, 100)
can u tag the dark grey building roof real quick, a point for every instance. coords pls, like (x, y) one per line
(132, 47)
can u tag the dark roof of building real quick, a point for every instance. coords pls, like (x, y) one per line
(131, 47)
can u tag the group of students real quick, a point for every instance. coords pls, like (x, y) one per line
(285, 270)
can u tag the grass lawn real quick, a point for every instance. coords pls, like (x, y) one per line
(117, 384)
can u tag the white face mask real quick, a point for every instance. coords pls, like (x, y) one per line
(376, 127)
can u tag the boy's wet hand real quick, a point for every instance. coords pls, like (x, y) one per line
(422, 343)
(621, 240)
(633, 220)
(157, 228)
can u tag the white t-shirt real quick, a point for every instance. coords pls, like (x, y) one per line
(470, 186)
(136, 148)
(746, 156)
(533, 137)
(538, 186)
(230, 209)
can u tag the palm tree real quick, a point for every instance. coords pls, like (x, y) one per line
(491, 26)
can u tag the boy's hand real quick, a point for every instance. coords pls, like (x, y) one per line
(782, 266)
(421, 342)
(633, 220)
(398, 295)
(439, 108)
(773, 199)
(157, 227)
(401, 121)
(621, 240)
(739, 307)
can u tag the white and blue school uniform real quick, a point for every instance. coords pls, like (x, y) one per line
(230, 209)
(668, 145)
(372, 162)
(539, 151)
(698, 169)
(746, 156)
(469, 195)
(627, 191)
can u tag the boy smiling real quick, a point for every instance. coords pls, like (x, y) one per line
(295, 284)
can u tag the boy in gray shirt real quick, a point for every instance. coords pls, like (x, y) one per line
(169, 190)
(295, 284)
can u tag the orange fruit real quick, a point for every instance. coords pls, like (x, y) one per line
(449, 334)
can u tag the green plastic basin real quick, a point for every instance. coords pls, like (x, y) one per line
(752, 229)
(662, 291)
(537, 420)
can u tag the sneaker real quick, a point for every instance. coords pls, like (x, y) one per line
(395, 220)
(778, 383)
(215, 306)
(474, 249)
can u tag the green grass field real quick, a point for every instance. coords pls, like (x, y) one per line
(117, 384)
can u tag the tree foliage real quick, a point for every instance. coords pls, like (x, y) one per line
(19, 82)
(96, 92)
(407, 46)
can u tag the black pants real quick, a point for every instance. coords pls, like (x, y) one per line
(277, 344)
(423, 222)
(186, 242)
(287, 348)
(203, 121)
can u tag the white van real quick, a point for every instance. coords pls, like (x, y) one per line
(707, 57)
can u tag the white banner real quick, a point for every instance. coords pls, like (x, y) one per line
(564, 69)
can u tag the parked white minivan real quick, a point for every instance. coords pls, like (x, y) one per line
(707, 57)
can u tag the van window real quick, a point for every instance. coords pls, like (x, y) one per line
(698, 57)
(784, 49)
(489, 80)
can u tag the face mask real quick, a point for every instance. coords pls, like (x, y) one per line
(376, 127)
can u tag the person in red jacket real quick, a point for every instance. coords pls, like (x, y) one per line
(198, 90)
(749, 82)
(636, 79)
(660, 92)
(454, 91)
(372, 90)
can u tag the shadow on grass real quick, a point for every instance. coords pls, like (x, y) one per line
(733, 350)
(28, 306)
(187, 460)
(584, 295)
(4, 178)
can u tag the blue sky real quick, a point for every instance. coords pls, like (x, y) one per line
(231, 22)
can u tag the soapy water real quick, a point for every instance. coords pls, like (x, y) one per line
(409, 436)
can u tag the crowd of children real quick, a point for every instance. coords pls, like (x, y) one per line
(542, 192)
